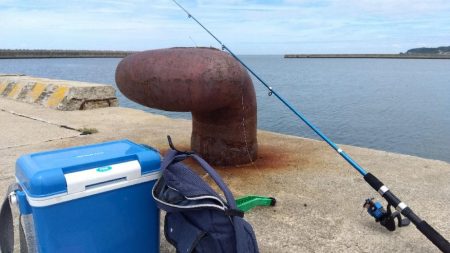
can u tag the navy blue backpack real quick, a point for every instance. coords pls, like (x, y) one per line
(198, 219)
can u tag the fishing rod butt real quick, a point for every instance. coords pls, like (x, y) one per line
(437, 239)
(434, 236)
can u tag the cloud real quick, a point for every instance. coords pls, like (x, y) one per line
(389, 7)
(248, 26)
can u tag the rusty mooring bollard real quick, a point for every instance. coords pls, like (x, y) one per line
(210, 84)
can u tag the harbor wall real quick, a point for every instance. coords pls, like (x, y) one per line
(26, 54)
(381, 56)
(57, 94)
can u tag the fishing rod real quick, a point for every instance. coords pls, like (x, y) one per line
(434, 236)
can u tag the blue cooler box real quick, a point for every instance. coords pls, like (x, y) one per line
(94, 198)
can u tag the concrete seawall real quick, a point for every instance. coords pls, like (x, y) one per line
(380, 56)
(57, 94)
(26, 54)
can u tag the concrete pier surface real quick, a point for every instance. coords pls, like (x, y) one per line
(319, 196)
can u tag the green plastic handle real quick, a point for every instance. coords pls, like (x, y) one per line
(247, 203)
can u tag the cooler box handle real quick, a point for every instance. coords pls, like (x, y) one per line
(82, 180)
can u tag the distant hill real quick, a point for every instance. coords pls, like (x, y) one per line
(430, 50)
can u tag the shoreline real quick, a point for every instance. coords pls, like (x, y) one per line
(309, 139)
(369, 56)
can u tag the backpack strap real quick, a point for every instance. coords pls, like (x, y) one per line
(6, 222)
(26, 234)
(174, 156)
(218, 180)
(169, 158)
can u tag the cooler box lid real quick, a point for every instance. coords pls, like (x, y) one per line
(70, 170)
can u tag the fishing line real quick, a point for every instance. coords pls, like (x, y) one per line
(193, 41)
(434, 236)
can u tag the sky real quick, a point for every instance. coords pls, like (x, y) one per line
(245, 26)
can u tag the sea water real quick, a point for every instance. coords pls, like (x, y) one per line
(397, 105)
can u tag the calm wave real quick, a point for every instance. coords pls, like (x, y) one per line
(395, 105)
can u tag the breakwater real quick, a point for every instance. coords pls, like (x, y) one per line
(26, 54)
(62, 95)
(380, 56)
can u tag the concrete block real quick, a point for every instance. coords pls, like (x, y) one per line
(57, 94)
